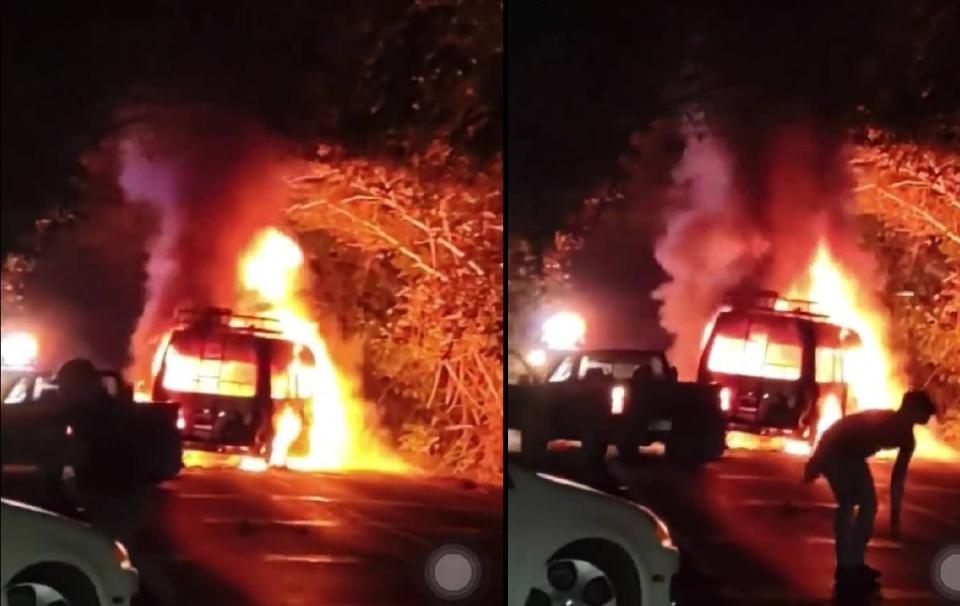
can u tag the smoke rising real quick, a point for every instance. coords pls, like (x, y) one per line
(213, 180)
(757, 204)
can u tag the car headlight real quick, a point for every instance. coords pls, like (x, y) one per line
(122, 555)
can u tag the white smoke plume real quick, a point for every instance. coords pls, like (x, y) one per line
(214, 180)
(758, 202)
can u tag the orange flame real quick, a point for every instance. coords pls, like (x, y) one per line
(336, 437)
(328, 431)
(871, 370)
(287, 427)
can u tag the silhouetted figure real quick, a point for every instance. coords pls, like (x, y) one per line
(110, 484)
(841, 456)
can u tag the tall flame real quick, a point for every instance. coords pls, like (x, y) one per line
(872, 370)
(272, 270)
(328, 431)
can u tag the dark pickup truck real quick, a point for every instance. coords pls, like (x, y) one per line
(628, 398)
(34, 429)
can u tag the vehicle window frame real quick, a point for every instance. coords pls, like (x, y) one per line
(195, 346)
(23, 385)
(569, 359)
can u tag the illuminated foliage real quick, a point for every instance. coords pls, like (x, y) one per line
(911, 194)
(432, 229)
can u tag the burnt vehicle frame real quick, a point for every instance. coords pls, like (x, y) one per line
(229, 399)
(573, 401)
(796, 365)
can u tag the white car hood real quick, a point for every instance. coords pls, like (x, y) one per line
(576, 504)
(48, 532)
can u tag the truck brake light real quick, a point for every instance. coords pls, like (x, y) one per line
(725, 396)
(618, 395)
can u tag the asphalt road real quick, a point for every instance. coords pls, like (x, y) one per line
(226, 537)
(752, 533)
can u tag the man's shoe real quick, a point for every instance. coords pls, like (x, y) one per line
(869, 572)
(856, 579)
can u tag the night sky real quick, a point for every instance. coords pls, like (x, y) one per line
(307, 71)
(378, 78)
(582, 79)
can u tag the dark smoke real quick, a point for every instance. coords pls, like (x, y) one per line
(85, 291)
(214, 180)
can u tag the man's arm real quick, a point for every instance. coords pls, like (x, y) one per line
(897, 481)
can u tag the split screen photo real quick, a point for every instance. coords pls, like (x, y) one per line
(445, 302)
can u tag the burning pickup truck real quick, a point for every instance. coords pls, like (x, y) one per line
(231, 375)
(779, 365)
(629, 398)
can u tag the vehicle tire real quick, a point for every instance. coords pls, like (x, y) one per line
(533, 443)
(676, 447)
(594, 451)
(714, 440)
(628, 450)
(696, 444)
(74, 587)
(604, 560)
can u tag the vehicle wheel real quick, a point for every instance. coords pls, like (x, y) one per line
(594, 451)
(695, 445)
(595, 573)
(676, 446)
(715, 441)
(533, 443)
(55, 585)
(628, 450)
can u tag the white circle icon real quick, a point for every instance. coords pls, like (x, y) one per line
(946, 572)
(453, 572)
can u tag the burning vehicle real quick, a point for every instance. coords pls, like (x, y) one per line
(232, 375)
(780, 366)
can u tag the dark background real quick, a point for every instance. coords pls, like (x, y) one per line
(583, 77)
(311, 72)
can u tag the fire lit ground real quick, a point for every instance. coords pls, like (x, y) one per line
(334, 516)
(749, 529)
(226, 537)
(751, 533)
(331, 516)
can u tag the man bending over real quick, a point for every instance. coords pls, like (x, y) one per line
(841, 456)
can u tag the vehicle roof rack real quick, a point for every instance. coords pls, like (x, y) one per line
(770, 300)
(214, 317)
